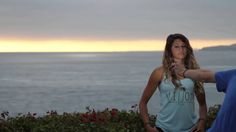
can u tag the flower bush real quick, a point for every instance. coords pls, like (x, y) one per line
(108, 120)
(211, 115)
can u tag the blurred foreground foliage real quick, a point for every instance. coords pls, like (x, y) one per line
(108, 120)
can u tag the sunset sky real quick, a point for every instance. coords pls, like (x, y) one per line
(113, 25)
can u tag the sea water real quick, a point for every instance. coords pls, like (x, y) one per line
(70, 82)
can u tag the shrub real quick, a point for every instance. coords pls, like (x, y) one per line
(211, 115)
(108, 120)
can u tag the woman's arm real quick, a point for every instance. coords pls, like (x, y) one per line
(202, 110)
(152, 84)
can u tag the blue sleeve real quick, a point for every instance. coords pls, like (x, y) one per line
(226, 117)
(223, 78)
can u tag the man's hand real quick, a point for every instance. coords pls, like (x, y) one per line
(178, 70)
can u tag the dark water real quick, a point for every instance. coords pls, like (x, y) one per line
(69, 82)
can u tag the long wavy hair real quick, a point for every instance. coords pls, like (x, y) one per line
(189, 61)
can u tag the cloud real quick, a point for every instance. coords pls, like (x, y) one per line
(117, 19)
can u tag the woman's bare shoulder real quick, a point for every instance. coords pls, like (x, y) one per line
(158, 72)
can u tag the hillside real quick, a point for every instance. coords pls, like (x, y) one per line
(220, 48)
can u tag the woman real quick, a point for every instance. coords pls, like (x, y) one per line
(177, 113)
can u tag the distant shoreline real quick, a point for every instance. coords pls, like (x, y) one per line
(231, 47)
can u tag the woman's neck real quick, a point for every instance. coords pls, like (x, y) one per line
(179, 61)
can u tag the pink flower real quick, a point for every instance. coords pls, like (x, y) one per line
(114, 112)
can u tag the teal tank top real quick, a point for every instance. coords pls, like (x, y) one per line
(177, 108)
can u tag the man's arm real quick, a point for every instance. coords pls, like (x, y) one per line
(201, 75)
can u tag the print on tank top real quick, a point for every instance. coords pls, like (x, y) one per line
(180, 96)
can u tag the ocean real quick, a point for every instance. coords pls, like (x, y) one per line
(70, 82)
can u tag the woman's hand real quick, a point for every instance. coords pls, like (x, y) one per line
(149, 128)
(199, 127)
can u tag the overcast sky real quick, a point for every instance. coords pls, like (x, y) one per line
(117, 19)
